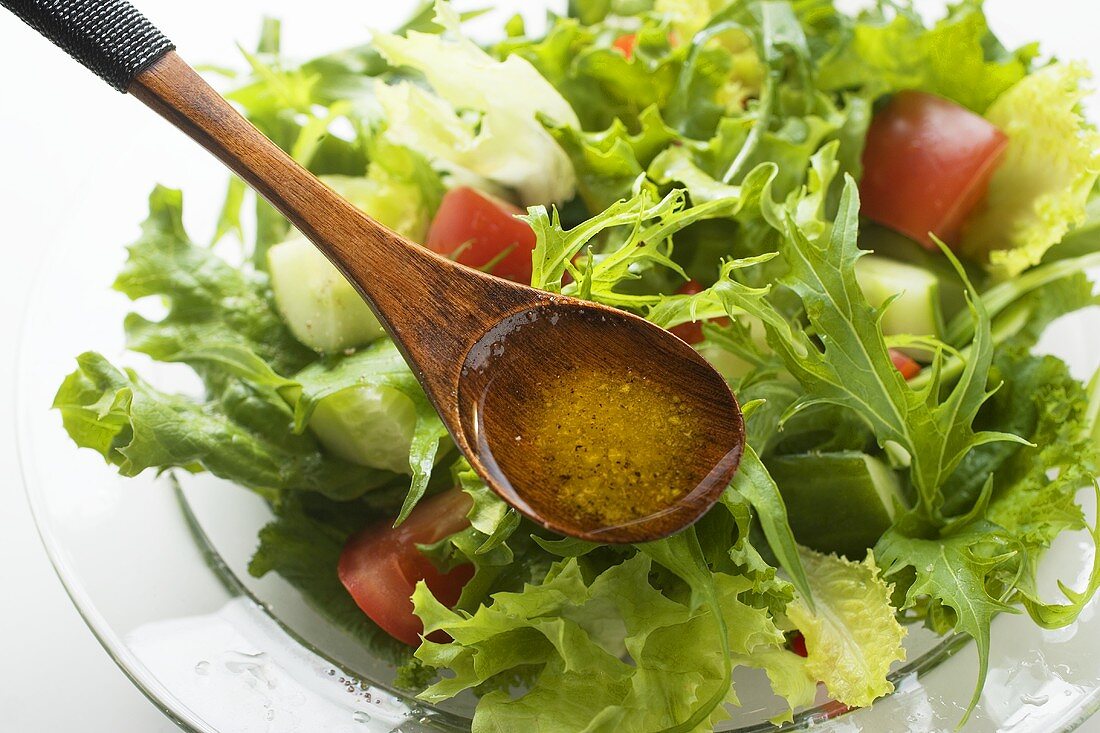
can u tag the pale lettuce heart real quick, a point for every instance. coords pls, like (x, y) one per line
(482, 115)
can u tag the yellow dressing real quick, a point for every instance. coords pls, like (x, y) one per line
(612, 446)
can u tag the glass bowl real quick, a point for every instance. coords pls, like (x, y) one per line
(157, 565)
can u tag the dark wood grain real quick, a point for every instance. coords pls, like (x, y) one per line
(438, 311)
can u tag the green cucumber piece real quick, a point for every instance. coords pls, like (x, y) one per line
(319, 305)
(837, 502)
(370, 426)
(887, 243)
(731, 366)
(916, 312)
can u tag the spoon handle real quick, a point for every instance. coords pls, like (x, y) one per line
(109, 37)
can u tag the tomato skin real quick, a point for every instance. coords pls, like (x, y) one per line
(798, 645)
(474, 229)
(692, 331)
(927, 166)
(381, 565)
(908, 367)
(626, 44)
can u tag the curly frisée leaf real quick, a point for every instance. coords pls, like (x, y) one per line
(1041, 188)
(853, 636)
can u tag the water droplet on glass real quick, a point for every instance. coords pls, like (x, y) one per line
(269, 715)
(360, 717)
(332, 673)
(202, 668)
(1036, 700)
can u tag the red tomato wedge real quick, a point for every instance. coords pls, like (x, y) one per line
(626, 44)
(481, 231)
(908, 367)
(927, 166)
(380, 566)
(692, 332)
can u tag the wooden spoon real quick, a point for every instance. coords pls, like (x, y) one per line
(591, 422)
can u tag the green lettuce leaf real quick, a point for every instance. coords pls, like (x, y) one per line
(610, 162)
(600, 83)
(236, 436)
(504, 558)
(754, 483)
(1042, 185)
(212, 305)
(569, 633)
(303, 545)
(852, 634)
(958, 58)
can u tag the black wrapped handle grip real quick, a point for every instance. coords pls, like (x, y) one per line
(109, 37)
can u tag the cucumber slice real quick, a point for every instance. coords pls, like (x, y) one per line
(837, 502)
(319, 305)
(891, 245)
(370, 426)
(917, 311)
(731, 366)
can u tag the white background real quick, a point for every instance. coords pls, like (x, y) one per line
(63, 134)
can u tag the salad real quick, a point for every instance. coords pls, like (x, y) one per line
(863, 221)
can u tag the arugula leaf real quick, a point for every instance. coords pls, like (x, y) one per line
(1024, 495)
(961, 572)
(852, 367)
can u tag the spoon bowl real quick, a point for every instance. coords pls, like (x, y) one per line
(569, 409)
